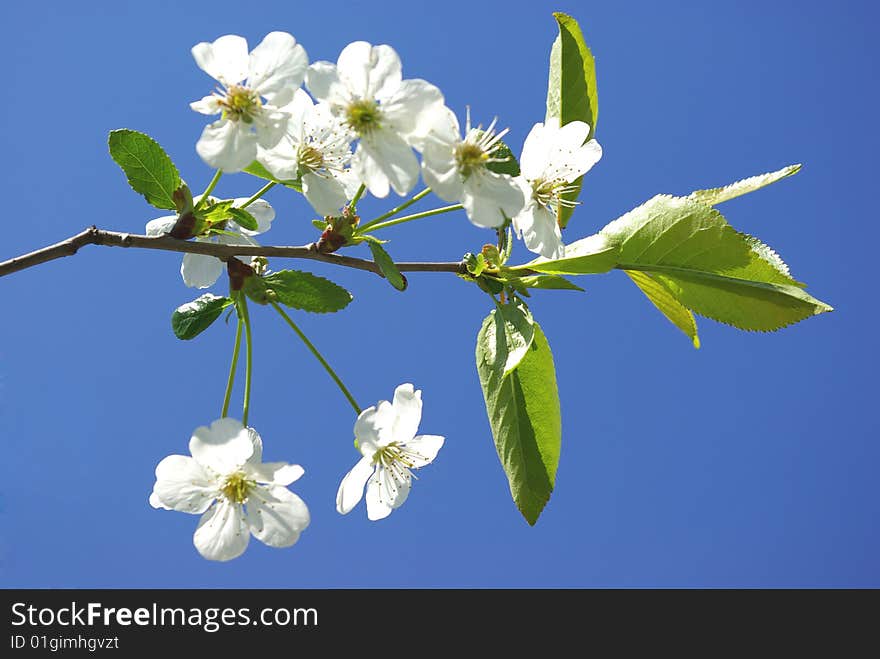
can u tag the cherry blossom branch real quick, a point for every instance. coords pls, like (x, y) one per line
(95, 236)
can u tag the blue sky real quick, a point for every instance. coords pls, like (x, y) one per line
(751, 462)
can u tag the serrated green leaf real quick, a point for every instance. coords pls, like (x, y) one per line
(147, 167)
(549, 282)
(256, 169)
(244, 219)
(666, 302)
(524, 414)
(709, 267)
(571, 89)
(191, 319)
(715, 196)
(387, 266)
(307, 292)
(591, 255)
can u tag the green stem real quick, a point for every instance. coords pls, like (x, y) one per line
(410, 218)
(357, 196)
(232, 367)
(259, 193)
(395, 211)
(209, 189)
(242, 298)
(318, 356)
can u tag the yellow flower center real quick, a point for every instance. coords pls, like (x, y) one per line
(363, 116)
(237, 487)
(470, 157)
(310, 159)
(240, 103)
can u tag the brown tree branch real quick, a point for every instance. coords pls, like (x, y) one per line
(95, 236)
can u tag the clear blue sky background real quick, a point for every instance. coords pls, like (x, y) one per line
(751, 462)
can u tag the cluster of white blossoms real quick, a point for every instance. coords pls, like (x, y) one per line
(361, 129)
(366, 125)
(238, 495)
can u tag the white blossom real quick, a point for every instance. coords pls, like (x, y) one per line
(553, 158)
(236, 493)
(201, 270)
(386, 437)
(252, 87)
(316, 148)
(365, 90)
(456, 170)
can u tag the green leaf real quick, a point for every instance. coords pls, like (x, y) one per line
(147, 167)
(715, 196)
(709, 267)
(387, 266)
(524, 414)
(519, 329)
(591, 255)
(665, 301)
(256, 169)
(244, 219)
(571, 90)
(308, 292)
(191, 319)
(549, 282)
(508, 163)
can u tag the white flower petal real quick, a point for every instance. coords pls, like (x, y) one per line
(373, 427)
(368, 170)
(277, 67)
(156, 502)
(393, 157)
(570, 136)
(422, 449)
(161, 225)
(226, 59)
(276, 516)
(271, 125)
(280, 160)
(387, 489)
(200, 270)
(223, 447)
(443, 127)
(440, 171)
(227, 145)
(274, 473)
(412, 110)
(489, 197)
(182, 484)
(573, 163)
(369, 72)
(540, 231)
(407, 405)
(209, 104)
(351, 489)
(535, 155)
(323, 82)
(325, 193)
(222, 533)
(378, 505)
